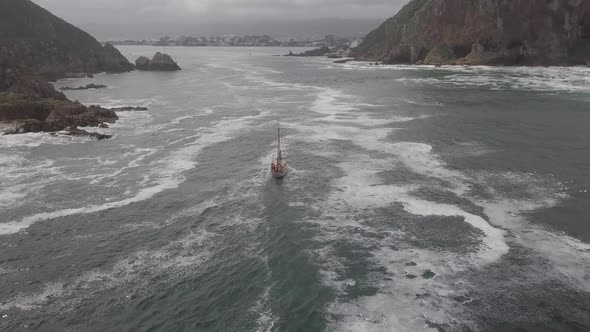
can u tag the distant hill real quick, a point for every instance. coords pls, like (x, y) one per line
(503, 32)
(50, 46)
(138, 28)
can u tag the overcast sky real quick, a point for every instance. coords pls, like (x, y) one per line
(108, 17)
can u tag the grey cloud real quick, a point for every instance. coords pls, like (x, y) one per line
(223, 9)
(215, 13)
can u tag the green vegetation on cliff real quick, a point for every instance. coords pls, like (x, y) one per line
(440, 55)
(390, 32)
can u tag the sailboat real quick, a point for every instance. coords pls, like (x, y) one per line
(278, 167)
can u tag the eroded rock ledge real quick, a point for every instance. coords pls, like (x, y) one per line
(30, 104)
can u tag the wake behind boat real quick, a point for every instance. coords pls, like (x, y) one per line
(278, 167)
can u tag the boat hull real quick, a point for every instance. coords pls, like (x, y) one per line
(279, 174)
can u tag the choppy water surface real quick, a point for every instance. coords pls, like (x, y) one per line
(419, 199)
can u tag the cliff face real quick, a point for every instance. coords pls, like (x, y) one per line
(32, 36)
(509, 32)
(20, 80)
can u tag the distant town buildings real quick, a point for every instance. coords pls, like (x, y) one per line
(330, 41)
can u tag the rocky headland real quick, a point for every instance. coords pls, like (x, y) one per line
(483, 32)
(36, 46)
(51, 47)
(159, 62)
(28, 103)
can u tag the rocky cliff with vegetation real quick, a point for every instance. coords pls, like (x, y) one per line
(28, 103)
(484, 32)
(33, 37)
(36, 45)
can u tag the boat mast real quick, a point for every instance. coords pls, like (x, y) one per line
(279, 157)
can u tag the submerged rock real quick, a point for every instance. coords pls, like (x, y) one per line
(159, 62)
(84, 133)
(128, 108)
(86, 87)
(460, 298)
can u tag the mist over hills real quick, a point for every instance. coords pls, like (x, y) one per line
(279, 29)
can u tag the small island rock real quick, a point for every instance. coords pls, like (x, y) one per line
(159, 62)
(142, 62)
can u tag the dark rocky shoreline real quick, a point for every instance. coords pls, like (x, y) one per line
(378, 62)
(322, 51)
(28, 103)
(37, 46)
(27, 115)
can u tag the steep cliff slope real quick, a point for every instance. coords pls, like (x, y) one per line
(50, 46)
(509, 32)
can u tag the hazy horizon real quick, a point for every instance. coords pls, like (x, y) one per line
(146, 19)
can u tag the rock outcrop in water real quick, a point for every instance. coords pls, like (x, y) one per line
(484, 32)
(159, 62)
(129, 108)
(51, 47)
(30, 104)
(315, 52)
(86, 87)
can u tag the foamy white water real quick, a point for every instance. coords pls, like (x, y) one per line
(418, 198)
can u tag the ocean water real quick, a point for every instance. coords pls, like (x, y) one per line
(418, 199)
